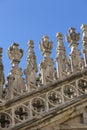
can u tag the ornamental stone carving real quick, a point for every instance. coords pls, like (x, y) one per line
(46, 66)
(76, 61)
(2, 79)
(38, 105)
(54, 98)
(21, 113)
(5, 121)
(56, 93)
(15, 85)
(82, 84)
(31, 67)
(15, 54)
(84, 42)
(61, 58)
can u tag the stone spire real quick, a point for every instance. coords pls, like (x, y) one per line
(46, 66)
(61, 58)
(15, 81)
(31, 67)
(2, 79)
(84, 42)
(72, 39)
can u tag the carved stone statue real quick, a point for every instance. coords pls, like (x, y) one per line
(72, 39)
(46, 66)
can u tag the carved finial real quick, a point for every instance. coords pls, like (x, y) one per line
(75, 58)
(84, 42)
(15, 84)
(59, 37)
(46, 46)
(15, 54)
(46, 66)
(84, 29)
(61, 58)
(73, 37)
(31, 68)
(2, 79)
(31, 55)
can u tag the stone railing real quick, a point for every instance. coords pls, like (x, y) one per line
(22, 100)
(40, 102)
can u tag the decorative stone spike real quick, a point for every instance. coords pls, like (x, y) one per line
(2, 79)
(47, 70)
(31, 67)
(61, 58)
(15, 84)
(72, 39)
(84, 42)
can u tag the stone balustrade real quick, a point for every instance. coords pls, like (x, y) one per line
(42, 101)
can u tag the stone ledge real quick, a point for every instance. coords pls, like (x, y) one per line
(45, 89)
(46, 118)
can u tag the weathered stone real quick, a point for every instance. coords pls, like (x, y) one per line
(31, 67)
(2, 79)
(47, 70)
(15, 85)
(61, 58)
(52, 99)
(75, 59)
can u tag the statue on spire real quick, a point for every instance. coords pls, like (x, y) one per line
(46, 66)
(76, 61)
(73, 37)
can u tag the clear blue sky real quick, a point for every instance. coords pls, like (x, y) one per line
(22, 20)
